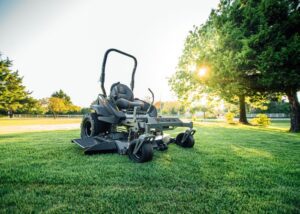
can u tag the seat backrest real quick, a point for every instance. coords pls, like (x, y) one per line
(119, 90)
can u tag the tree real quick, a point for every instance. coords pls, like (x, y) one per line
(253, 50)
(61, 94)
(66, 107)
(43, 105)
(73, 109)
(215, 47)
(277, 51)
(169, 107)
(31, 106)
(57, 106)
(85, 110)
(271, 47)
(13, 96)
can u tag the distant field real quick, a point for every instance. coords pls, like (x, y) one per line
(283, 125)
(36, 121)
(44, 121)
(18, 125)
(231, 169)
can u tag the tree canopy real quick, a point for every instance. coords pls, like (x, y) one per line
(250, 50)
(14, 98)
(60, 103)
(13, 94)
(61, 94)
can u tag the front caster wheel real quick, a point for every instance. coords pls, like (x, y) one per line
(144, 154)
(188, 142)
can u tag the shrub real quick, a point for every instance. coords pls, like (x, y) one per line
(261, 120)
(229, 116)
(194, 118)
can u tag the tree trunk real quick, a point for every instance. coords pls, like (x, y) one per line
(295, 110)
(204, 115)
(10, 114)
(243, 117)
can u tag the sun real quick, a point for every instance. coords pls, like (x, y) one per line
(202, 72)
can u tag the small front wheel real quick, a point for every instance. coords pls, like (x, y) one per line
(186, 143)
(144, 154)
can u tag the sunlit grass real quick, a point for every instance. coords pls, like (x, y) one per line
(280, 125)
(250, 152)
(232, 168)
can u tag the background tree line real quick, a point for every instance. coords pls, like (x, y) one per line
(251, 52)
(14, 98)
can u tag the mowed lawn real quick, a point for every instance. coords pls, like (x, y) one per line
(232, 168)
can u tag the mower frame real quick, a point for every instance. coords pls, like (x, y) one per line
(102, 77)
(141, 127)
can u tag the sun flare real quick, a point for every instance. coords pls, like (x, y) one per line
(202, 72)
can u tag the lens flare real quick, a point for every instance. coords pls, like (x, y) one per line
(202, 72)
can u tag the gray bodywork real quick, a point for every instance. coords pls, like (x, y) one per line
(137, 126)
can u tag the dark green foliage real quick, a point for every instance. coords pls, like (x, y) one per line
(231, 169)
(270, 47)
(218, 45)
(85, 111)
(13, 94)
(253, 50)
(274, 107)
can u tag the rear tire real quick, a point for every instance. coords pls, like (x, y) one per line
(144, 154)
(91, 126)
(188, 143)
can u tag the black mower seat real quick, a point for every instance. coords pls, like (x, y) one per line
(126, 104)
(124, 98)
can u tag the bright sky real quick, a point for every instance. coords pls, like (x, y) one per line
(59, 44)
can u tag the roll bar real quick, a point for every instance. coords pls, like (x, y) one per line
(102, 78)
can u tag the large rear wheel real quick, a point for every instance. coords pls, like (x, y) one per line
(91, 126)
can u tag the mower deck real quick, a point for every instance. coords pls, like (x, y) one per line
(116, 142)
(96, 145)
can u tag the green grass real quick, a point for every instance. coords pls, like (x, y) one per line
(285, 124)
(231, 169)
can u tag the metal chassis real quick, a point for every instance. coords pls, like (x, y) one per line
(154, 124)
(135, 122)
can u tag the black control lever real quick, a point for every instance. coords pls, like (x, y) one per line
(152, 100)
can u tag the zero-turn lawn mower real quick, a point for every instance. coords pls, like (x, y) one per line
(127, 125)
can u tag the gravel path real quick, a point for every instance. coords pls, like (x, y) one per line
(33, 128)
